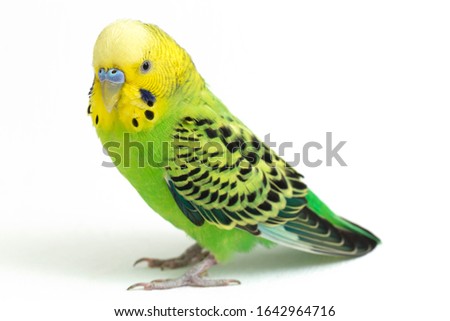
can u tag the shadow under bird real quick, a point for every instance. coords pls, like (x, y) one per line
(216, 180)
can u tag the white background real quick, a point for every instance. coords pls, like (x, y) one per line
(376, 74)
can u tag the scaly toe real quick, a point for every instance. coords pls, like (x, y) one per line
(200, 282)
(163, 264)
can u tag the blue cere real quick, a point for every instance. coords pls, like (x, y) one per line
(112, 75)
(102, 74)
(115, 75)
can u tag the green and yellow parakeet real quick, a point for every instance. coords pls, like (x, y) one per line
(197, 165)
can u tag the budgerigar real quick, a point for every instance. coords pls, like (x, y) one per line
(199, 166)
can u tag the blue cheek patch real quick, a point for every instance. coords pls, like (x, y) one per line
(148, 97)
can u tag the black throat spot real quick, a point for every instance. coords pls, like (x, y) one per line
(147, 97)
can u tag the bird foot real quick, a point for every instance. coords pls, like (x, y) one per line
(193, 277)
(192, 255)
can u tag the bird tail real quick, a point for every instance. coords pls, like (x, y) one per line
(318, 230)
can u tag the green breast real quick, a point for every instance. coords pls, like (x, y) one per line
(141, 157)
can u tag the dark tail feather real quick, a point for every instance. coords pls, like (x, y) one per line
(312, 233)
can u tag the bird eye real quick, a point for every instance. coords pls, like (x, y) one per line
(145, 67)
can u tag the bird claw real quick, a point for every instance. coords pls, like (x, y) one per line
(181, 282)
(145, 285)
(193, 277)
(136, 285)
(152, 263)
(193, 254)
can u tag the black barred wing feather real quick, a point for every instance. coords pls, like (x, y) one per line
(221, 173)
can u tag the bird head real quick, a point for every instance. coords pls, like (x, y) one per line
(138, 68)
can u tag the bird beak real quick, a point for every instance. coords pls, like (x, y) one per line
(111, 84)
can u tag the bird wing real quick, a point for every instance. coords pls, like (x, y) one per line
(221, 173)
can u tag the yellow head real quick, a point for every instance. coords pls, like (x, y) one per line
(138, 67)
